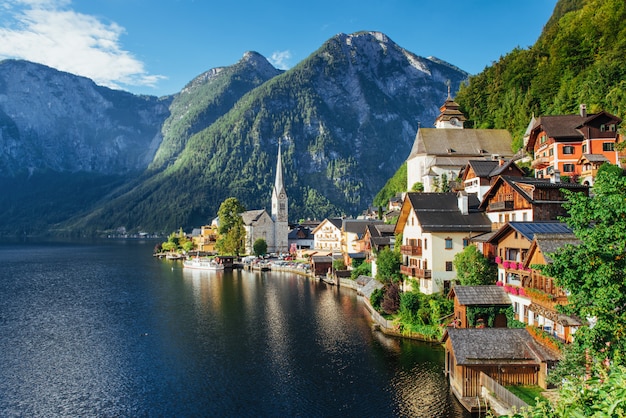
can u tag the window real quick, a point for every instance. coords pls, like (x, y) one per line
(568, 149)
(584, 148)
(568, 168)
(542, 139)
(524, 216)
(465, 242)
(551, 152)
(448, 243)
(612, 127)
(608, 146)
(603, 128)
(425, 244)
(448, 265)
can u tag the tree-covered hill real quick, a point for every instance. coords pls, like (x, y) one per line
(579, 58)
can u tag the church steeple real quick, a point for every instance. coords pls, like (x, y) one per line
(450, 116)
(279, 195)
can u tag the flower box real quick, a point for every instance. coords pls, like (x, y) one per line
(506, 264)
(498, 260)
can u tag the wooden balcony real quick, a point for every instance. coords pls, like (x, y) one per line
(503, 205)
(411, 250)
(413, 271)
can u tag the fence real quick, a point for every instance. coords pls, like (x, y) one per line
(500, 392)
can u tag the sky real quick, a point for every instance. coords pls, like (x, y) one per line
(156, 47)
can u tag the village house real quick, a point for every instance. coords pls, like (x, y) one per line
(376, 237)
(435, 227)
(509, 356)
(526, 199)
(327, 235)
(537, 303)
(205, 238)
(301, 238)
(353, 231)
(448, 147)
(567, 144)
(478, 175)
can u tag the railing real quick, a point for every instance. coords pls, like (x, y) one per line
(411, 250)
(503, 205)
(423, 274)
(408, 270)
(500, 392)
(540, 162)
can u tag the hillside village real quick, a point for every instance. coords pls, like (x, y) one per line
(474, 191)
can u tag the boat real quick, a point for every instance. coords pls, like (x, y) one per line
(202, 264)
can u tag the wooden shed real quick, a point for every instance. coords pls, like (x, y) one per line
(466, 297)
(509, 356)
(321, 264)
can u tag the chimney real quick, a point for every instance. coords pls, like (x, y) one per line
(463, 202)
(583, 110)
(556, 177)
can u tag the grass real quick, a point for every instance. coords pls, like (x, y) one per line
(527, 393)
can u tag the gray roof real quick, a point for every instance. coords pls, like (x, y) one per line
(483, 168)
(462, 142)
(496, 346)
(251, 216)
(550, 243)
(440, 212)
(595, 158)
(481, 295)
(357, 226)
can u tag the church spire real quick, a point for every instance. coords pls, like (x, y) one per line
(278, 183)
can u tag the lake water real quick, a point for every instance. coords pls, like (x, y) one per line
(104, 329)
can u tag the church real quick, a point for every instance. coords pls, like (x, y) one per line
(446, 148)
(274, 227)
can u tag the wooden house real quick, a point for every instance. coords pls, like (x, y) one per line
(509, 356)
(478, 175)
(468, 297)
(526, 199)
(321, 264)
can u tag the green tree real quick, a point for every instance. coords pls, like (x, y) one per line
(364, 269)
(259, 247)
(417, 187)
(473, 268)
(230, 210)
(388, 266)
(233, 233)
(338, 264)
(594, 271)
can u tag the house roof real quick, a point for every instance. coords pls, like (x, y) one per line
(251, 216)
(440, 212)
(482, 168)
(497, 346)
(357, 226)
(593, 158)
(480, 295)
(550, 243)
(462, 142)
(518, 184)
(336, 222)
(529, 229)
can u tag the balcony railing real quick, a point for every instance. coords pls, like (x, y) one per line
(503, 205)
(541, 162)
(423, 274)
(408, 270)
(411, 250)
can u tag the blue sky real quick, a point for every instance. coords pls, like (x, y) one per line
(157, 46)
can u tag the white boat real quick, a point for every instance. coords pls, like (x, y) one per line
(202, 264)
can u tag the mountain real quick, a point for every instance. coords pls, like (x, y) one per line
(80, 158)
(346, 116)
(577, 59)
(51, 120)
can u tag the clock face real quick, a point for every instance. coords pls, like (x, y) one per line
(454, 121)
(282, 195)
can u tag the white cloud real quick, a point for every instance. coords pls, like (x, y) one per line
(279, 59)
(47, 32)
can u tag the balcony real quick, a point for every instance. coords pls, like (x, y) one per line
(541, 162)
(503, 205)
(411, 250)
(408, 270)
(423, 274)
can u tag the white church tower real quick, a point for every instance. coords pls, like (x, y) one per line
(279, 210)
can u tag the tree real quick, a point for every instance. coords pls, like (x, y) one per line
(230, 210)
(388, 266)
(473, 268)
(259, 247)
(391, 299)
(417, 187)
(233, 233)
(594, 271)
(338, 264)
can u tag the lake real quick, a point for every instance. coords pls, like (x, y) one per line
(101, 328)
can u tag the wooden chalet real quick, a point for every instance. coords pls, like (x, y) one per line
(478, 175)
(526, 199)
(467, 297)
(508, 356)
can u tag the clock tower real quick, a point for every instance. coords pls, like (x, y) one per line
(280, 209)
